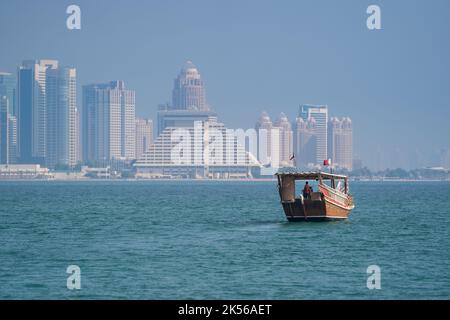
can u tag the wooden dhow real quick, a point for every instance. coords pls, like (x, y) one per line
(331, 202)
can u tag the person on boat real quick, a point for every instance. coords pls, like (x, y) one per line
(306, 191)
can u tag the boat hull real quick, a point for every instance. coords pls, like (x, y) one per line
(315, 210)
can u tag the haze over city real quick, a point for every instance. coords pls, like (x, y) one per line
(219, 158)
(256, 56)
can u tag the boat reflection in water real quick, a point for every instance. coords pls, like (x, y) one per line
(331, 202)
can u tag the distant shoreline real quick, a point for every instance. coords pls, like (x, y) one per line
(204, 180)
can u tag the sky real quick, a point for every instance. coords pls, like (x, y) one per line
(259, 55)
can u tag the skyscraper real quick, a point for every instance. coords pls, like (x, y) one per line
(267, 149)
(78, 135)
(8, 85)
(340, 142)
(47, 128)
(189, 90)
(62, 128)
(320, 115)
(305, 142)
(32, 111)
(8, 128)
(188, 101)
(144, 135)
(108, 122)
(286, 143)
(26, 101)
(4, 141)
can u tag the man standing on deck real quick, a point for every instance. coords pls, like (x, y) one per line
(307, 191)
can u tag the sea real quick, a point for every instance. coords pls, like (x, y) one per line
(219, 240)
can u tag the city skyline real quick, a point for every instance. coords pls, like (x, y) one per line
(271, 58)
(50, 122)
(46, 113)
(382, 80)
(70, 146)
(196, 151)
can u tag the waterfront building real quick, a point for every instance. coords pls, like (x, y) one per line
(108, 122)
(207, 149)
(24, 171)
(144, 135)
(320, 115)
(340, 142)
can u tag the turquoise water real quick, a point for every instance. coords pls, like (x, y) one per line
(219, 240)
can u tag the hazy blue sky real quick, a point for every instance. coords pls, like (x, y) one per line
(263, 55)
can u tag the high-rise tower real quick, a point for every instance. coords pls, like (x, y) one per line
(286, 143)
(144, 135)
(62, 128)
(268, 150)
(109, 122)
(8, 129)
(189, 90)
(32, 110)
(305, 142)
(188, 101)
(340, 142)
(47, 121)
(320, 115)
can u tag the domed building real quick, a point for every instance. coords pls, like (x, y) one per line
(264, 128)
(286, 143)
(188, 101)
(264, 122)
(189, 90)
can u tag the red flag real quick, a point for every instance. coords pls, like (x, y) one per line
(327, 162)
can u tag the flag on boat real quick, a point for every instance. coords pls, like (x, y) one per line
(292, 157)
(327, 162)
